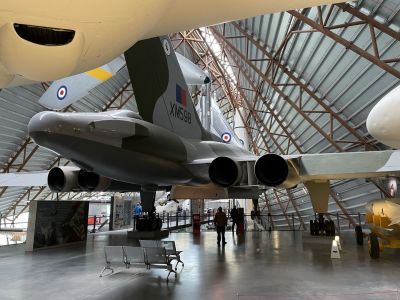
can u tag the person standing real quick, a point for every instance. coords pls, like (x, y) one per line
(235, 218)
(137, 214)
(220, 221)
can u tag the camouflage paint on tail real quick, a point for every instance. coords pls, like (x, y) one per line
(160, 89)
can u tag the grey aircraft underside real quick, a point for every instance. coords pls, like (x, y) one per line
(166, 145)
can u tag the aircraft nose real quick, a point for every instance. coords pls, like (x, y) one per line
(42, 125)
(43, 122)
(383, 121)
(377, 123)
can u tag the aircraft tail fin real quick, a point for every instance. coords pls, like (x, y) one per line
(161, 93)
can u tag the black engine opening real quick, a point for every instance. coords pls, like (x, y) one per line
(56, 179)
(88, 180)
(271, 170)
(44, 36)
(223, 171)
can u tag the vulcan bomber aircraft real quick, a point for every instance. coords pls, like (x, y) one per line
(165, 145)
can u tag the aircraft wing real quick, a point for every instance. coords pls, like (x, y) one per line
(68, 90)
(190, 14)
(314, 170)
(331, 166)
(24, 179)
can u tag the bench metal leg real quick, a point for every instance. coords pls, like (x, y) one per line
(171, 271)
(179, 261)
(107, 267)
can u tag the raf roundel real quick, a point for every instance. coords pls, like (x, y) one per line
(226, 137)
(62, 92)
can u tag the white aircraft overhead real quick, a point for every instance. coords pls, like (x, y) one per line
(383, 121)
(66, 91)
(46, 40)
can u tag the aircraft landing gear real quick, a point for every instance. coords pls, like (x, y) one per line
(373, 246)
(312, 227)
(321, 226)
(359, 235)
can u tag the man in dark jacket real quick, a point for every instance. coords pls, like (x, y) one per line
(220, 221)
(235, 217)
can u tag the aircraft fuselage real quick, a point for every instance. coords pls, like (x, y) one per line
(46, 40)
(121, 146)
(84, 34)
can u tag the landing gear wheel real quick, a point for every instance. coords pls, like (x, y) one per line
(332, 228)
(373, 246)
(359, 235)
(312, 231)
(327, 228)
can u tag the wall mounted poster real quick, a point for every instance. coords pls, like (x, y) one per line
(59, 222)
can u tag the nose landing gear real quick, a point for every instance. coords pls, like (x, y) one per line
(375, 246)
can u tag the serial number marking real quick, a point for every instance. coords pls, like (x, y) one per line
(180, 113)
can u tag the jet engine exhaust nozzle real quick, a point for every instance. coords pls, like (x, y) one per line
(273, 170)
(224, 171)
(63, 179)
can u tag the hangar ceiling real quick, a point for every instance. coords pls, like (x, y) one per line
(302, 82)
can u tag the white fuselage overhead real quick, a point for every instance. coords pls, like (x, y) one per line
(383, 121)
(46, 40)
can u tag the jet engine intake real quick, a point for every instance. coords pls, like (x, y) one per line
(93, 182)
(63, 179)
(44, 36)
(89, 181)
(275, 171)
(224, 171)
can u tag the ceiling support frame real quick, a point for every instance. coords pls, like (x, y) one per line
(373, 58)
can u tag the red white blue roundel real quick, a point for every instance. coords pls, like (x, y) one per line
(226, 137)
(62, 92)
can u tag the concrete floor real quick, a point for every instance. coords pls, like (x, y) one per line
(256, 266)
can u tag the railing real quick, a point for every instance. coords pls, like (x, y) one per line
(294, 222)
(182, 220)
(12, 237)
(263, 222)
(97, 222)
(7, 225)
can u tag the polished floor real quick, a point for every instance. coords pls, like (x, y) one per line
(258, 265)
